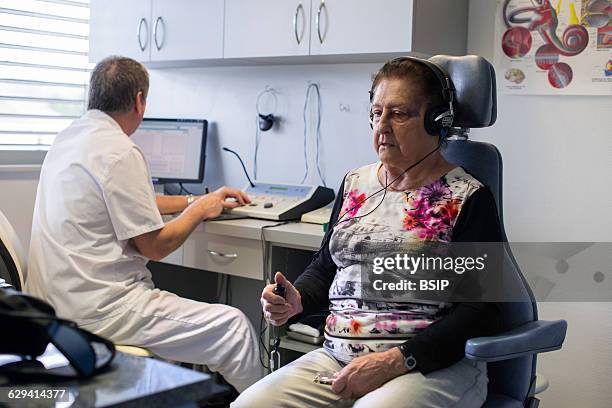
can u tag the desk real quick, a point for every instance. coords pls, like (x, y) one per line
(235, 247)
(131, 382)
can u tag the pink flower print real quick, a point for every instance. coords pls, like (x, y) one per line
(386, 326)
(330, 322)
(434, 227)
(431, 211)
(415, 202)
(353, 202)
(436, 192)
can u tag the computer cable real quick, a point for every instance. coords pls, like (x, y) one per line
(183, 189)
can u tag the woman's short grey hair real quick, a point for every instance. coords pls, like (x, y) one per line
(114, 84)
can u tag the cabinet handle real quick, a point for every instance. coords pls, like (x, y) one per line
(321, 6)
(222, 255)
(158, 45)
(298, 38)
(139, 31)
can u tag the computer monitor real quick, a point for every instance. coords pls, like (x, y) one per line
(174, 148)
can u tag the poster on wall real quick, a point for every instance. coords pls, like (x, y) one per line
(554, 47)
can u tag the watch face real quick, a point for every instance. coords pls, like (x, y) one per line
(410, 362)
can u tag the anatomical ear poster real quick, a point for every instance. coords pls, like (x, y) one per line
(554, 47)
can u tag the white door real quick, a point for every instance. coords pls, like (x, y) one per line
(361, 26)
(266, 28)
(120, 27)
(186, 29)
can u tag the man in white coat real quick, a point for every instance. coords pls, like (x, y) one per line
(96, 223)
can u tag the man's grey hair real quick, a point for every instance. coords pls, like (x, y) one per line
(114, 84)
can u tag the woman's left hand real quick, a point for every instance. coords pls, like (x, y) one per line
(367, 373)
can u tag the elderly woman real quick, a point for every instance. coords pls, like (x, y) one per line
(389, 354)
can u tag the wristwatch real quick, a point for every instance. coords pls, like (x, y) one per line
(409, 360)
(190, 199)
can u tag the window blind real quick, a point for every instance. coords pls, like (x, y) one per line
(44, 69)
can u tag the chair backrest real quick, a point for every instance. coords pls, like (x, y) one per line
(476, 107)
(12, 256)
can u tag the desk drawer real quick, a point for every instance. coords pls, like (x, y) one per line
(223, 254)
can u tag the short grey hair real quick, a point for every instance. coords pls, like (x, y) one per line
(115, 82)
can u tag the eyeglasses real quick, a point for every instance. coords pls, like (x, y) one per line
(396, 115)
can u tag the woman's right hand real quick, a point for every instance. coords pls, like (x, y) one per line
(277, 310)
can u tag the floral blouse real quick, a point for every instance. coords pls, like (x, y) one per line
(357, 325)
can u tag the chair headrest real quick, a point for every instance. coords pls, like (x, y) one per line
(475, 89)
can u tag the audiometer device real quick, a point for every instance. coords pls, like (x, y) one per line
(280, 202)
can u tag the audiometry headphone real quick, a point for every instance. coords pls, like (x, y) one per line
(438, 119)
(265, 121)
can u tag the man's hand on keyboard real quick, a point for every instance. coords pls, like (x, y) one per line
(225, 197)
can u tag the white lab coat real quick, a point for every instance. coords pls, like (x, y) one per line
(94, 194)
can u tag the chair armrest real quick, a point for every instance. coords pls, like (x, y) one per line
(530, 338)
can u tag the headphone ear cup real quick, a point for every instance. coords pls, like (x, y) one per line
(266, 122)
(433, 126)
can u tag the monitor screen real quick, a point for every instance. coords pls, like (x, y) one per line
(174, 148)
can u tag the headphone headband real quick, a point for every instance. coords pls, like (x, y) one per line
(446, 84)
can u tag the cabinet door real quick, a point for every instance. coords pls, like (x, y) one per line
(266, 28)
(361, 26)
(186, 29)
(119, 27)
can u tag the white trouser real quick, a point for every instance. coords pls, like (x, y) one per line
(462, 385)
(180, 329)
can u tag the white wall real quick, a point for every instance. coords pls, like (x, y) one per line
(227, 97)
(17, 194)
(557, 156)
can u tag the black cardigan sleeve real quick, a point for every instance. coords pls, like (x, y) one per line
(314, 283)
(442, 344)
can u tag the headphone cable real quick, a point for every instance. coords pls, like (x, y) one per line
(357, 205)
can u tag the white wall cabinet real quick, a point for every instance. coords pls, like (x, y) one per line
(118, 27)
(388, 26)
(186, 29)
(157, 30)
(277, 30)
(266, 28)
(352, 30)
(360, 26)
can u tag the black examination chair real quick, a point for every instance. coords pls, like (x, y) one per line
(511, 356)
